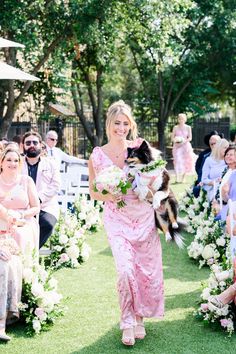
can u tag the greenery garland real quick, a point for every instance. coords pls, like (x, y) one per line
(153, 165)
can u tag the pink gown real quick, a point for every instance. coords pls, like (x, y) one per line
(184, 157)
(136, 249)
(15, 197)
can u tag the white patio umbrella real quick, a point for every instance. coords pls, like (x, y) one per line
(8, 72)
(7, 43)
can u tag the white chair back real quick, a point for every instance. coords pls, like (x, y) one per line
(75, 181)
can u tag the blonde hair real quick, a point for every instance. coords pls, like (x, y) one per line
(216, 151)
(5, 152)
(182, 115)
(120, 107)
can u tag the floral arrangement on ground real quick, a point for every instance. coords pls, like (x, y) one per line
(40, 302)
(210, 239)
(88, 212)
(68, 242)
(221, 277)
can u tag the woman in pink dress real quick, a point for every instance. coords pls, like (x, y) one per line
(19, 233)
(184, 157)
(131, 231)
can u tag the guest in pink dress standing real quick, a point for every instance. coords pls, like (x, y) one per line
(131, 231)
(184, 157)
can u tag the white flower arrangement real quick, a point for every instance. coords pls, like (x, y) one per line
(68, 245)
(88, 213)
(220, 278)
(179, 139)
(112, 180)
(40, 301)
(210, 241)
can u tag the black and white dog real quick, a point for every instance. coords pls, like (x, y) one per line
(150, 181)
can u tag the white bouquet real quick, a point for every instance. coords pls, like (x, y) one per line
(112, 180)
(179, 139)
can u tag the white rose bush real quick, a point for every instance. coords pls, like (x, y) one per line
(40, 303)
(210, 240)
(210, 247)
(221, 277)
(68, 242)
(88, 213)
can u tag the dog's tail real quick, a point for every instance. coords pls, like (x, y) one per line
(175, 232)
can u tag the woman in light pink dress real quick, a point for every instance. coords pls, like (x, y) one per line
(184, 157)
(19, 232)
(131, 231)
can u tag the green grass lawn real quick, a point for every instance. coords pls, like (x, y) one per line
(90, 324)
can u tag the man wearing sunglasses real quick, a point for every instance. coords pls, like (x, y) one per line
(59, 155)
(46, 177)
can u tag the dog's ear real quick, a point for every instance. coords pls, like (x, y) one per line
(144, 146)
(129, 151)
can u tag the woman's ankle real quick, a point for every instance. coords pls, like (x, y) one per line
(139, 319)
(228, 295)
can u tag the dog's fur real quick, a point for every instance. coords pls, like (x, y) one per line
(157, 180)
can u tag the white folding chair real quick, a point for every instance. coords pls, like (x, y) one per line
(232, 222)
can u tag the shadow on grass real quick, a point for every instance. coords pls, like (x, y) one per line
(185, 336)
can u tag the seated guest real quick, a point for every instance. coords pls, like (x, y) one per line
(18, 197)
(213, 167)
(18, 232)
(210, 140)
(226, 192)
(56, 153)
(46, 177)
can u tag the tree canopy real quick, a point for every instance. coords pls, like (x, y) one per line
(162, 57)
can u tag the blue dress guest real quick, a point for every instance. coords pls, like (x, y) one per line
(210, 140)
(213, 168)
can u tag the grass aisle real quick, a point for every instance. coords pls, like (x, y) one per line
(90, 324)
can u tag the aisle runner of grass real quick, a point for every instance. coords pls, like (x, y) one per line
(90, 324)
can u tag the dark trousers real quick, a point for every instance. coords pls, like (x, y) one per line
(47, 222)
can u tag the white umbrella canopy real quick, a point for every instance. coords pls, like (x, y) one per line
(7, 43)
(8, 72)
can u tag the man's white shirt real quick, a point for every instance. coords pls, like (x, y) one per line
(60, 156)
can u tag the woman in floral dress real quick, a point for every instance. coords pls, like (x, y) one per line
(131, 231)
(184, 157)
(19, 233)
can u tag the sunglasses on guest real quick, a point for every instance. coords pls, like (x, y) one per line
(29, 142)
(53, 139)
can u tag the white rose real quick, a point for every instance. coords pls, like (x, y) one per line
(220, 241)
(63, 239)
(85, 251)
(206, 293)
(73, 252)
(36, 325)
(43, 274)
(82, 216)
(208, 252)
(58, 248)
(29, 276)
(37, 290)
(222, 275)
